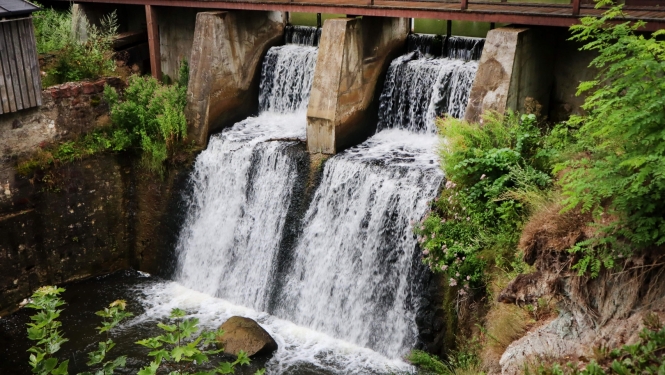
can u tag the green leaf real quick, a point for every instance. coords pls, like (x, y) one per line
(150, 369)
(62, 369)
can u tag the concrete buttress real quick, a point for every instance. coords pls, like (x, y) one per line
(516, 64)
(353, 54)
(225, 67)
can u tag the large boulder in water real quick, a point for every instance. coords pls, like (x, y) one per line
(247, 335)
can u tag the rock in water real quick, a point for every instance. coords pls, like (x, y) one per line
(247, 335)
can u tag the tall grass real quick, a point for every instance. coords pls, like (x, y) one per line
(75, 59)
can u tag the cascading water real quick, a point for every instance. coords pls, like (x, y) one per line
(302, 35)
(349, 270)
(354, 262)
(355, 265)
(419, 87)
(243, 185)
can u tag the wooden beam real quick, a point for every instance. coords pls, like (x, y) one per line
(465, 4)
(408, 9)
(576, 7)
(153, 42)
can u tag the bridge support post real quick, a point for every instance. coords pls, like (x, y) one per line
(153, 42)
(225, 67)
(353, 53)
(517, 63)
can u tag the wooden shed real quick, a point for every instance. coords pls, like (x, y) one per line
(20, 82)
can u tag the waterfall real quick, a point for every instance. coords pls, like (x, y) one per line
(302, 35)
(354, 262)
(454, 47)
(242, 187)
(350, 267)
(286, 78)
(418, 87)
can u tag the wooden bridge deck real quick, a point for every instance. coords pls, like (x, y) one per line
(562, 15)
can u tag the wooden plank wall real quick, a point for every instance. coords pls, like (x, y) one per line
(20, 82)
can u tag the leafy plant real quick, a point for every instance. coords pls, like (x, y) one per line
(180, 351)
(150, 116)
(53, 29)
(491, 171)
(74, 59)
(45, 329)
(620, 141)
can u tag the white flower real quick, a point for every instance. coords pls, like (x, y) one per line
(425, 252)
(457, 274)
(483, 177)
(468, 277)
(452, 282)
(444, 267)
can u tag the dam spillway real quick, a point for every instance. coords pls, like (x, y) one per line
(350, 271)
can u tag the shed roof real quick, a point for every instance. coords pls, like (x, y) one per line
(13, 8)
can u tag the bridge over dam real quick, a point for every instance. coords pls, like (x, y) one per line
(526, 56)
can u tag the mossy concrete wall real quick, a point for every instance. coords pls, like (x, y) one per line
(516, 64)
(353, 55)
(225, 67)
(84, 218)
(176, 37)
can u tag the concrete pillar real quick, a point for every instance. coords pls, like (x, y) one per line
(517, 63)
(353, 54)
(225, 67)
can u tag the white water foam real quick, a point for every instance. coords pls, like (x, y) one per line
(297, 345)
(355, 262)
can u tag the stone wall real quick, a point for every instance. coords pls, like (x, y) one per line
(225, 67)
(84, 218)
(68, 110)
(353, 55)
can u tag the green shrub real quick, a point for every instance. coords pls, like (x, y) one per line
(491, 170)
(618, 172)
(53, 29)
(150, 116)
(463, 361)
(75, 60)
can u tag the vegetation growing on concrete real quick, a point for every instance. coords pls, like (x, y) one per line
(148, 118)
(67, 58)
